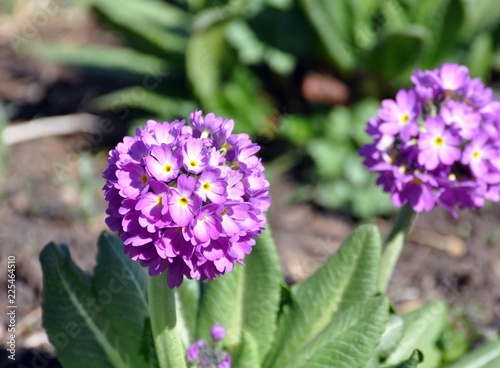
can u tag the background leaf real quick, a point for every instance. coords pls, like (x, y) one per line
(423, 328)
(415, 359)
(187, 297)
(148, 100)
(348, 277)
(350, 339)
(203, 57)
(72, 315)
(248, 356)
(480, 56)
(331, 21)
(158, 27)
(391, 337)
(486, 356)
(125, 283)
(397, 51)
(99, 57)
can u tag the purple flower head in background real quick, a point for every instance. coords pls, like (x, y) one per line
(438, 142)
(187, 199)
(210, 355)
(217, 332)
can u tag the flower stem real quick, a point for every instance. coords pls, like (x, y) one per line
(394, 245)
(402, 222)
(168, 344)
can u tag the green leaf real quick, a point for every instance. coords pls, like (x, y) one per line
(480, 16)
(423, 328)
(161, 25)
(349, 340)
(218, 14)
(362, 111)
(203, 56)
(146, 11)
(297, 129)
(244, 40)
(242, 98)
(124, 283)
(328, 158)
(348, 277)
(355, 172)
(486, 356)
(169, 347)
(332, 23)
(391, 336)
(148, 345)
(187, 302)
(390, 257)
(397, 50)
(100, 57)
(339, 124)
(413, 362)
(372, 363)
(364, 10)
(371, 201)
(246, 299)
(446, 28)
(248, 355)
(480, 56)
(7, 6)
(456, 339)
(279, 61)
(139, 97)
(394, 14)
(335, 194)
(72, 315)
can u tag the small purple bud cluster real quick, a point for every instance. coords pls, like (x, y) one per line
(438, 143)
(187, 199)
(201, 354)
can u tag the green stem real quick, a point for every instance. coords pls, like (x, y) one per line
(402, 223)
(394, 245)
(168, 343)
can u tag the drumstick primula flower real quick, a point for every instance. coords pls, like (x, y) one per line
(438, 142)
(187, 199)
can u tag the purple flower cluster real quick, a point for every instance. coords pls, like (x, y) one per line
(201, 354)
(438, 143)
(187, 199)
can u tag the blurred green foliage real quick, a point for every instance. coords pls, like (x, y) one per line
(247, 59)
(7, 6)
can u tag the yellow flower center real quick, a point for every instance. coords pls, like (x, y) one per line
(206, 186)
(167, 168)
(449, 86)
(224, 212)
(159, 200)
(405, 118)
(183, 201)
(193, 163)
(225, 147)
(476, 155)
(439, 141)
(144, 178)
